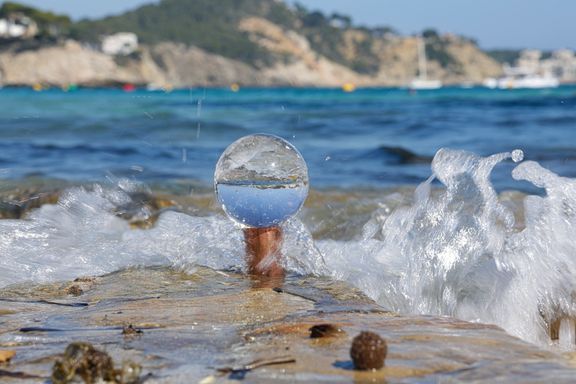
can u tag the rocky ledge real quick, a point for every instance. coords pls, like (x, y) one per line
(211, 326)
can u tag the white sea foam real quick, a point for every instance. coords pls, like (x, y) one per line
(459, 253)
(456, 252)
(81, 235)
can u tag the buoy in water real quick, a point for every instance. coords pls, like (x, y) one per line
(128, 87)
(235, 87)
(348, 87)
(69, 87)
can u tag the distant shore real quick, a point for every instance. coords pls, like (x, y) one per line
(172, 66)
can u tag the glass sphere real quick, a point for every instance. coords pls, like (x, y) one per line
(261, 180)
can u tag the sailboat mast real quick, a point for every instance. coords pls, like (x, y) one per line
(422, 65)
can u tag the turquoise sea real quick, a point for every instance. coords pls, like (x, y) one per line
(456, 202)
(369, 138)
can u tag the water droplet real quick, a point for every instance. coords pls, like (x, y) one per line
(517, 155)
(261, 180)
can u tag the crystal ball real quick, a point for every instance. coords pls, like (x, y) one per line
(261, 180)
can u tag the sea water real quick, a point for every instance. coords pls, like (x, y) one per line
(456, 231)
(371, 138)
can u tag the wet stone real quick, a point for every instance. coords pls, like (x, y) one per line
(131, 331)
(197, 323)
(325, 330)
(74, 290)
(85, 279)
(17, 204)
(6, 356)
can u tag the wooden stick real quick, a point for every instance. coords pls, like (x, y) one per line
(263, 251)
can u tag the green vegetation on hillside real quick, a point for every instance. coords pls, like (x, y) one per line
(436, 50)
(504, 56)
(510, 56)
(214, 26)
(327, 36)
(208, 24)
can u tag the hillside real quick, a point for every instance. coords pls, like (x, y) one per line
(214, 27)
(217, 28)
(206, 24)
(264, 42)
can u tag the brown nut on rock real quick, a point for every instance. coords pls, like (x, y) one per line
(368, 351)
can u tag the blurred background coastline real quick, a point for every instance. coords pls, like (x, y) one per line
(259, 43)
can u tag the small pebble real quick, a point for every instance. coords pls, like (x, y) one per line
(324, 330)
(6, 356)
(131, 331)
(84, 279)
(368, 351)
(74, 290)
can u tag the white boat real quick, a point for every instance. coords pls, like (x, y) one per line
(419, 84)
(422, 82)
(523, 78)
(522, 82)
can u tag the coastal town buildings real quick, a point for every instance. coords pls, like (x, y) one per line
(560, 64)
(123, 43)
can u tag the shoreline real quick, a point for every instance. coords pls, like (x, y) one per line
(143, 87)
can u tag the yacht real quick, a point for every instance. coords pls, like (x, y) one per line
(522, 81)
(522, 78)
(422, 82)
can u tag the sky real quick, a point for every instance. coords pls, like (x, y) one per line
(538, 24)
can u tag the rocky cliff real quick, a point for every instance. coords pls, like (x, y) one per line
(177, 65)
(292, 60)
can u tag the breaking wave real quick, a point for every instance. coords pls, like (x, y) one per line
(458, 251)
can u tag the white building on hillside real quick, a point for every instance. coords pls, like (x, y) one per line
(17, 26)
(562, 64)
(123, 43)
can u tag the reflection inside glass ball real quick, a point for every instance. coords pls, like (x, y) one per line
(261, 180)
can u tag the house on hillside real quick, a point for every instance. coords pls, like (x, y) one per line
(120, 44)
(562, 64)
(529, 61)
(17, 26)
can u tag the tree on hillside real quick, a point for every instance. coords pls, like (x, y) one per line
(430, 33)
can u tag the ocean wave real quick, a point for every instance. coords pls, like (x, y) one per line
(459, 250)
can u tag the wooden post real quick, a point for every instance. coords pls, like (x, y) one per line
(263, 251)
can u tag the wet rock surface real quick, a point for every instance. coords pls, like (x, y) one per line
(325, 330)
(214, 326)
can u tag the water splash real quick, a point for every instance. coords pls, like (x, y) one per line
(84, 235)
(460, 253)
(456, 251)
